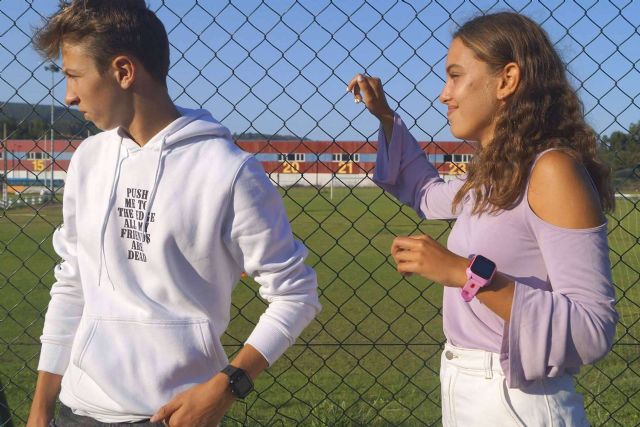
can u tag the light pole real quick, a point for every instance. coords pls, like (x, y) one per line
(5, 178)
(54, 69)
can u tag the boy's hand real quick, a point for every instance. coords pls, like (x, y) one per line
(203, 405)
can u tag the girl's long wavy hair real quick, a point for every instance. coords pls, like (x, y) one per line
(544, 112)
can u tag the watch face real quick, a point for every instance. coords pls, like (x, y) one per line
(241, 384)
(483, 267)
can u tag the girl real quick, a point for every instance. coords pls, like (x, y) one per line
(528, 296)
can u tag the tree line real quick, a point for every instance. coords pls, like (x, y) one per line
(25, 121)
(622, 149)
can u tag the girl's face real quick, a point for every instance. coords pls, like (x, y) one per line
(470, 92)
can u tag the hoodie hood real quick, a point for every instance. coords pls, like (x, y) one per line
(191, 125)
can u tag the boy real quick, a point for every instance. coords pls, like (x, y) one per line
(162, 213)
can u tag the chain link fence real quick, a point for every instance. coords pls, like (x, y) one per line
(270, 69)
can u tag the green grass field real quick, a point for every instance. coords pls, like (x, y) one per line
(372, 355)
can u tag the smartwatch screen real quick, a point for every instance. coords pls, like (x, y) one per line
(243, 384)
(483, 267)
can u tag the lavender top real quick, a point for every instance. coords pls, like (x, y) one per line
(563, 313)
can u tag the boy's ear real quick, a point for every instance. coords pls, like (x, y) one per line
(124, 70)
(509, 81)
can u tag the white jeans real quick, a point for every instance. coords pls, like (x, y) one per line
(475, 393)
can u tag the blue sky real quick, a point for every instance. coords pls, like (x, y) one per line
(282, 66)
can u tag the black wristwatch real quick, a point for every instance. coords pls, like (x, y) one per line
(240, 383)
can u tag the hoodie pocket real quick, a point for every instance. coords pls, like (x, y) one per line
(139, 365)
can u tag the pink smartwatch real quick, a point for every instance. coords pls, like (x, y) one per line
(479, 274)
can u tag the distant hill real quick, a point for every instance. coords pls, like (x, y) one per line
(28, 121)
(21, 111)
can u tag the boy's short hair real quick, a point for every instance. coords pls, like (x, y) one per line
(107, 28)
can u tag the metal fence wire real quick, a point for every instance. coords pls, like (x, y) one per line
(268, 68)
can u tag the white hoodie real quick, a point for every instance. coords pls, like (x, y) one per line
(154, 241)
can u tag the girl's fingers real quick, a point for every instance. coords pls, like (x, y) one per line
(352, 82)
(405, 256)
(407, 268)
(361, 88)
(354, 86)
(408, 243)
(365, 90)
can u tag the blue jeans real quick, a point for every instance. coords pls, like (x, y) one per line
(66, 418)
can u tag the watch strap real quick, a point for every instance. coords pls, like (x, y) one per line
(470, 289)
(229, 370)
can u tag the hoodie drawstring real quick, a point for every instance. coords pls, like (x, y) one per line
(105, 219)
(192, 123)
(154, 188)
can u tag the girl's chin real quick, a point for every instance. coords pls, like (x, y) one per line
(457, 134)
(462, 135)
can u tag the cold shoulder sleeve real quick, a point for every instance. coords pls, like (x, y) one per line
(402, 169)
(555, 332)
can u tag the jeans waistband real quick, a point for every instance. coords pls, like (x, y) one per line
(480, 361)
(66, 417)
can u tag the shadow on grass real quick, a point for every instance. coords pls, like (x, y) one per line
(5, 412)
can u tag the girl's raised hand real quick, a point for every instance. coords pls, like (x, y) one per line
(369, 90)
